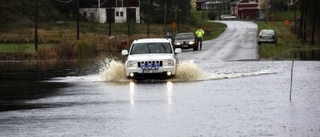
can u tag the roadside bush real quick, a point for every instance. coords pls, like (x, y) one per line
(64, 50)
(85, 50)
(46, 53)
(212, 15)
(203, 15)
(194, 20)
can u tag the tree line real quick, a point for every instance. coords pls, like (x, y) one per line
(157, 11)
(309, 20)
(24, 10)
(53, 10)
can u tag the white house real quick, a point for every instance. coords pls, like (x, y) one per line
(116, 11)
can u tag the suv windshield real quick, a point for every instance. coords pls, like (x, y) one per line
(143, 48)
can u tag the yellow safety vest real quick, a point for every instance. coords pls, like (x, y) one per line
(199, 33)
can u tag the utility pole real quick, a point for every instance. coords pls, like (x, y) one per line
(178, 11)
(78, 20)
(109, 16)
(295, 17)
(148, 23)
(36, 26)
(176, 15)
(222, 5)
(267, 8)
(165, 18)
(128, 18)
(314, 22)
(99, 11)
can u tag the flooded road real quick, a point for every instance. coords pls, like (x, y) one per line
(211, 96)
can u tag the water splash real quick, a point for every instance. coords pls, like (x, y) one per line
(239, 75)
(113, 70)
(189, 71)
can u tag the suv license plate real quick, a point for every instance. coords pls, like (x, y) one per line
(150, 71)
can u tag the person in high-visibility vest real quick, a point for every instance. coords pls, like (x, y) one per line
(199, 35)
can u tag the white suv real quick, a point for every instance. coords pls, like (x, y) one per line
(151, 58)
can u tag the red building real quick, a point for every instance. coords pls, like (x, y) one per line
(245, 9)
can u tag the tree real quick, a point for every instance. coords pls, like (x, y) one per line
(175, 9)
(49, 10)
(309, 17)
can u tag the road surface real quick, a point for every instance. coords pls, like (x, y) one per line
(238, 42)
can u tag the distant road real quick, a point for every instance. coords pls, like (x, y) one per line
(238, 42)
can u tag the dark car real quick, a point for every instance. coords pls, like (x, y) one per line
(267, 36)
(185, 41)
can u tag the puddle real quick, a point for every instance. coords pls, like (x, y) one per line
(307, 55)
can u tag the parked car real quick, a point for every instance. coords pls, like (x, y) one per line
(227, 17)
(185, 41)
(151, 58)
(267, 36)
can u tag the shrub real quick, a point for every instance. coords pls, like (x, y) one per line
(212, 15)
(64, 50)
(85, 50)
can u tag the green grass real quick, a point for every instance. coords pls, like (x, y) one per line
(22, 48)
(287, 41)
(53, 34)
(282, 15)
(16, 48)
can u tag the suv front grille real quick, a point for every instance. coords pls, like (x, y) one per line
(150, 62)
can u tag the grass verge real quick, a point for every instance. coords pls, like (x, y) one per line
(59, 41)
(288, 45)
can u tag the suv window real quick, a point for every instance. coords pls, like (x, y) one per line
(143, 48)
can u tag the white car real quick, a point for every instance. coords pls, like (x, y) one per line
(151, 58)
(227, 17)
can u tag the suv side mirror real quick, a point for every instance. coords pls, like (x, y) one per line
(177, 50)
(124, 52)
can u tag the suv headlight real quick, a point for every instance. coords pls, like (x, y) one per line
(168, 62)
(132, 63)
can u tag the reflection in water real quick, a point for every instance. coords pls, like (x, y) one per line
(168, 91)
(29, 80)
(132, 86)
(169, 95)
(307, 55)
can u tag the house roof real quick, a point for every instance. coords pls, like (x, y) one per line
(201, 1)
(235, 1)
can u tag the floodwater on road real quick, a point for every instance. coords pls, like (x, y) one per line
(93, 98)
